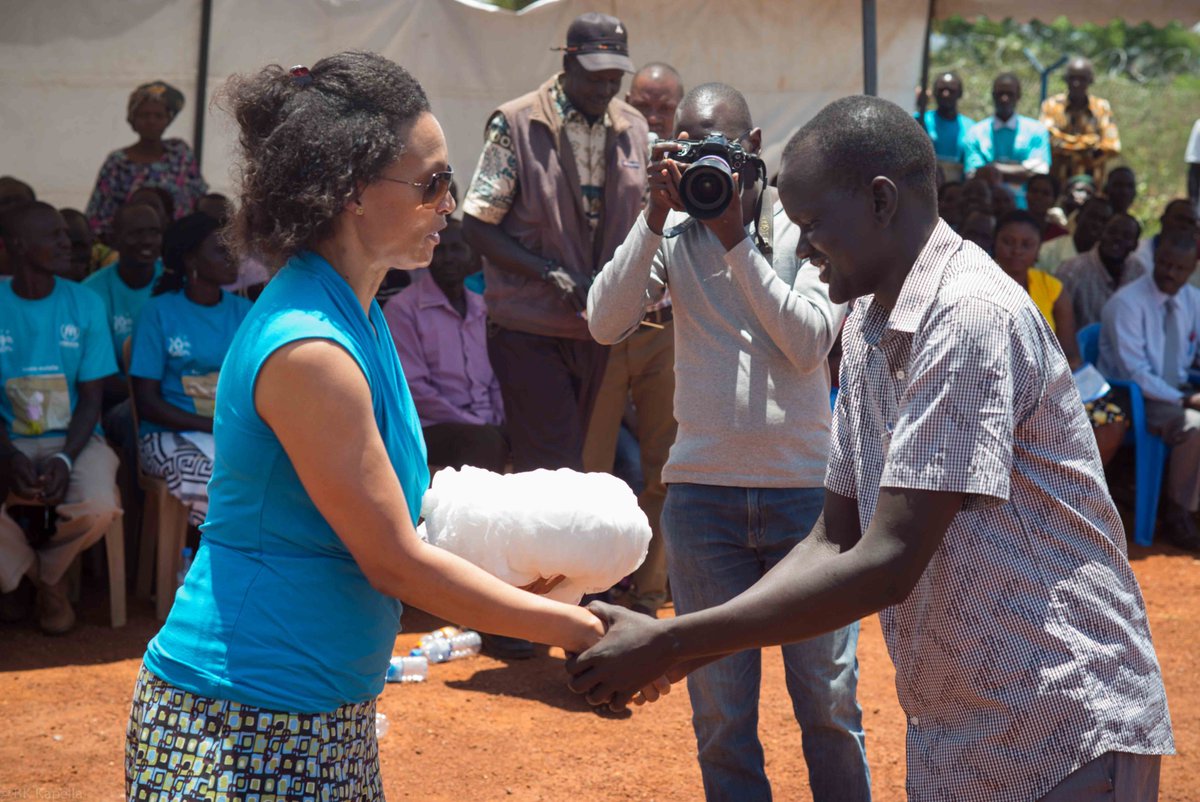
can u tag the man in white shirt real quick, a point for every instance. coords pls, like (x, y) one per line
(1149, 336)
(1180, 215)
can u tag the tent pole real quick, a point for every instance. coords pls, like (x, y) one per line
(870, 56)
(202, 79)
(923, 102)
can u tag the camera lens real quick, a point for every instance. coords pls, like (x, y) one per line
(707, 187)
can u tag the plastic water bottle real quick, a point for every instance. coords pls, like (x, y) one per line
(408, 668)
(184, 565)
(381, 725)
(450, 643)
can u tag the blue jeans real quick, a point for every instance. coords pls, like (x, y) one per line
(719, 542)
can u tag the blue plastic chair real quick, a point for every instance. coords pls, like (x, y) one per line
(1150, 452)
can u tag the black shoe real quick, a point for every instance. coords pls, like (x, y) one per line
(505, 648)
(1181, 529)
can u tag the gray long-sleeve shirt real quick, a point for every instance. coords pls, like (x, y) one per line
(751, 338)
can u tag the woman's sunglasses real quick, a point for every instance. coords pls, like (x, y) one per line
(433, 190)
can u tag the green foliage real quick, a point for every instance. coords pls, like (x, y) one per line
(1139, 52)
(1151, 76)
(512, 5)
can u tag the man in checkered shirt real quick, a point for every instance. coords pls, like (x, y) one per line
(965, 503)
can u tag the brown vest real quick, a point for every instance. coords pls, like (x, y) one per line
(547, 215)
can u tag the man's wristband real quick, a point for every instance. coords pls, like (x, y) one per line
(66, 459)
(549, 266)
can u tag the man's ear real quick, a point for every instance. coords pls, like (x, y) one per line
(754, 138)
(884, 199)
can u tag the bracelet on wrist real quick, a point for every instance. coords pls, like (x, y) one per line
(549, 266)
(62, 455)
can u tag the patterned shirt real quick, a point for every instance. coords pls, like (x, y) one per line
(120, 176)
(494, 186)
(1090, 285)
(1075, 135)
(1024, 651)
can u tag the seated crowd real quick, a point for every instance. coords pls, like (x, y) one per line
(114, 323)
(1076, 248)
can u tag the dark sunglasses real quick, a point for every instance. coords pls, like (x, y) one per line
(433, 190)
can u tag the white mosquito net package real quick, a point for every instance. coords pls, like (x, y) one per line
(519, 526)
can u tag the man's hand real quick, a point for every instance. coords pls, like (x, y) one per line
(571, 286)
(635, 653)
(24, 475)
(663, 175)
(54, 476)
(1192, 401)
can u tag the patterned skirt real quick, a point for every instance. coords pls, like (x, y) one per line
(183, 466)
(183, 747)
(1105, 410)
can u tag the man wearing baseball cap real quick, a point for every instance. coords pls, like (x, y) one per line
(558, 187)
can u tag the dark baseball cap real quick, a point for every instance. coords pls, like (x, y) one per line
(599, 42)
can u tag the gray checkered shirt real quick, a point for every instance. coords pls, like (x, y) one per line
(1023, 652)
(1089, 284)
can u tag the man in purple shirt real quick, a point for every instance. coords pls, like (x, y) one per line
(440, 329)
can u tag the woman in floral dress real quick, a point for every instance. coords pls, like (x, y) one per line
(152, 161)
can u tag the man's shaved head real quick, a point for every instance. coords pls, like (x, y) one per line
(706, 101)
(858, 138)
(659, 73)
(14, 221)
(655, 91)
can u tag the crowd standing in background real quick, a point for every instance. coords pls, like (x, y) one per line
(574, 309)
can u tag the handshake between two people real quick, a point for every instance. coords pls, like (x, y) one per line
(636, 660)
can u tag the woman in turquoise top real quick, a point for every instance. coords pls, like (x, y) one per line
(179, 342)
(266, 672)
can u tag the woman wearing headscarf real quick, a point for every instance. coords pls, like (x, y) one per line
(152, 161)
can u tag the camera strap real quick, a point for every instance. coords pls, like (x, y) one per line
(764, 230)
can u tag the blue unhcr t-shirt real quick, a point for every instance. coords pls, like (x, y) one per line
(949, 136)
(275, 611)
(122, 302)
(47, 347)
(182, 344)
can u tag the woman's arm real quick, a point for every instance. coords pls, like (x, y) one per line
(1064, 329)
(315, 398)
(151, 406)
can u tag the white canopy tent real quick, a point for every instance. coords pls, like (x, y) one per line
(67, 66)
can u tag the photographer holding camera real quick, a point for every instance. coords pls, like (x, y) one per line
(745, 477)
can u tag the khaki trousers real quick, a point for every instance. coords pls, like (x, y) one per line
(642, 365)
(83, 517)
(1180, 429)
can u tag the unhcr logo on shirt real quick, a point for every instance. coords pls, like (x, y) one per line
(6, 342)
(122, 324)
(179, 346)
(68, 335)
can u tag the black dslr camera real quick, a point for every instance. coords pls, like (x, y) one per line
(707, 183)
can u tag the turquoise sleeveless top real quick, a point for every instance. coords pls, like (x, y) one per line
(275, 612)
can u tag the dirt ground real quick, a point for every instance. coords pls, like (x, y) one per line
(484, 730)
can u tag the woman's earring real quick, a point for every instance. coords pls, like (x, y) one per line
(358, 210)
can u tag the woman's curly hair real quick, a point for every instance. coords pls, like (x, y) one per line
(308, 146)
